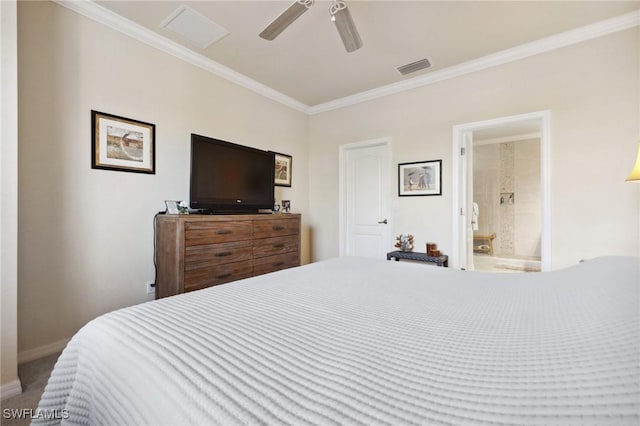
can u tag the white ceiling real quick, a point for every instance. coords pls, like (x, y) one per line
(308, 62)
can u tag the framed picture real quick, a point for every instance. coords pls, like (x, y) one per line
(283, 170)
(286, 206)
(420, 178)
(122, 144)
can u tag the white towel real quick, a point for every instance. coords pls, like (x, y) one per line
(474, 217)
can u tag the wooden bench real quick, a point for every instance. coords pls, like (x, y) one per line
(420, 257)
(483, 243)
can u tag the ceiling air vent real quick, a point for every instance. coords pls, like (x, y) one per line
(414, 66)
(194, 26)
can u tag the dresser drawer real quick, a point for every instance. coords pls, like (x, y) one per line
(276, 227)
(275, 245)
(268, 264)
(196, 278)
(200, 233)
(214, 254)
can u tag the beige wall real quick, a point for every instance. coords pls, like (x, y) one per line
(9, 199)
(592, 91)
(86, 236)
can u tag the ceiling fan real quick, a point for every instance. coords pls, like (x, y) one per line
(340, 16)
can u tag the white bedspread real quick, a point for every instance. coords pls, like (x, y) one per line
(360, 341)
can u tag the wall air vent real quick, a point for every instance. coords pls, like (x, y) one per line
(414, 66)
(194, 27)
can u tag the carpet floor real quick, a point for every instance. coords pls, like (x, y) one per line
(33, 378)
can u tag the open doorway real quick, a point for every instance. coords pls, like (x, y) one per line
(507, 199)
(501, 182)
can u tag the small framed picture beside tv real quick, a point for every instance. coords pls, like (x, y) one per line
(283, 169)
(230, 178)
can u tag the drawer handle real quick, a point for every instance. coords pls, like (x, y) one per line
(278, 246)
(222, 276)
(278, 227)
(223, 231)
(223, 254)
(278, 264)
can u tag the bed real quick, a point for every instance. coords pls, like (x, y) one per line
(352, 341)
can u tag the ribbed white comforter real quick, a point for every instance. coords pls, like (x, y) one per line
(354, 341)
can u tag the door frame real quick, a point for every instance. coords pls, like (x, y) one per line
(385, 142)
(460, 177)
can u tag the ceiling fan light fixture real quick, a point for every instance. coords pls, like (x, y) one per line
(341, 16)
(285, 19)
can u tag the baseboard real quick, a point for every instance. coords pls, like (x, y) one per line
(42, 351)
(10, 389)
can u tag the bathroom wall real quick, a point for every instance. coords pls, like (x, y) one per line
(506, 187)
(528, 200)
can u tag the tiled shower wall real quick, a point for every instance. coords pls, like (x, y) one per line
(500, 170)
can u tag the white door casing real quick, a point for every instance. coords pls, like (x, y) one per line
(467, 172)
(365, 173)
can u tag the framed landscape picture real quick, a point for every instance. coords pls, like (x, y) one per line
(122, 144)
(420, 178)
(283, 169)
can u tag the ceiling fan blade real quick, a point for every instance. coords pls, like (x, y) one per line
(285, 19)
(346, 27)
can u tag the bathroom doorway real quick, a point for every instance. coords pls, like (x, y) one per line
(507, 198)
(501, 179)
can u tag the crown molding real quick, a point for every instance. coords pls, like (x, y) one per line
(93, 11)
(557, 41)
(119, 23)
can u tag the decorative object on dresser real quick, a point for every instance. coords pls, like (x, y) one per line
(183, 207)
(122, 144)
(420, 178)
(172, 206)
(199, 251)
(286, 206)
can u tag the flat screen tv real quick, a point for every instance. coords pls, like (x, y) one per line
(227, 177)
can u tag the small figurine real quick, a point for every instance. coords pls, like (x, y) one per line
(183, 207)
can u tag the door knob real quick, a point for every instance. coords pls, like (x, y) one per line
(383, 221)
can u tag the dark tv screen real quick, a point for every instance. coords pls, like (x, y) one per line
(228, 177)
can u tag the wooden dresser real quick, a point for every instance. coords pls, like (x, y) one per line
(199, 251)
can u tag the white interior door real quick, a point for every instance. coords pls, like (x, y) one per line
(365, 186)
